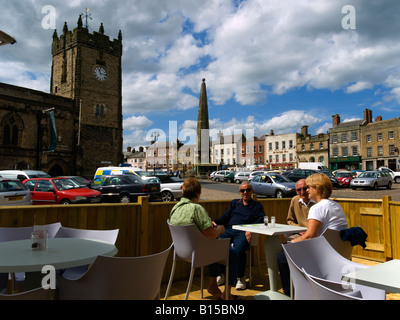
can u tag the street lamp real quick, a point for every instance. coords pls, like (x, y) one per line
(155, 136)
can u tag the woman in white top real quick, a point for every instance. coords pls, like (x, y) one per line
(326, 213)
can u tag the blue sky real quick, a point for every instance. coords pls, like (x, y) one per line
(268, 65)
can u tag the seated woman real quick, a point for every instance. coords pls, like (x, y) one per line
(324, 214)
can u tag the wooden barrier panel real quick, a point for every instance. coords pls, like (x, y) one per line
(143, 228)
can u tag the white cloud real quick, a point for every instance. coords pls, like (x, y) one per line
(137, 123)
(359, 86)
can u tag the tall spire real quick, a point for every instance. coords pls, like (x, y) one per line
(203, 149)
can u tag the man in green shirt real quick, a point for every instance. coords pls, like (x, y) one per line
(188, 211)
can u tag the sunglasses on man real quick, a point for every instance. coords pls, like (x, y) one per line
(247, 190)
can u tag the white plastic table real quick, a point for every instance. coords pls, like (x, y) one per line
(272, 246)
(62, 253)
(384, 276)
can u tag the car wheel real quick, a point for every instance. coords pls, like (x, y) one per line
(389, 186)
(375, 187)
(354, 188)
(65, 201)
(397, 179)
(124, 199)
(167, 196)
(279, 194)
(217, 179)
(237, 181)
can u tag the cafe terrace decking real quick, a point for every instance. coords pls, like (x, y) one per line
(143, 229)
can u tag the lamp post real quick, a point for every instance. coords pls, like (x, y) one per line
(155, 136)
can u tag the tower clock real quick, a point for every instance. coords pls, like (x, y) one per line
(87, 68)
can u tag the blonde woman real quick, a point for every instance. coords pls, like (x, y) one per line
(326, 213)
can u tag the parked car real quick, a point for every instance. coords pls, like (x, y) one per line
(230, 177)
(60, 191)
(14, 193)
(328, 172)
(297, 174)
(171, 187)
(241, 176)
(220, 175)
(344, 178)
(124, 188)
(395, 175)
(23, 174)
(273, 185)
(212, 175)
(372, 179)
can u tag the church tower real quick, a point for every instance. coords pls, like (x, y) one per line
(87, 68)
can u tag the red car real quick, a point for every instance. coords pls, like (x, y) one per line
(60, 191)
(344, 178)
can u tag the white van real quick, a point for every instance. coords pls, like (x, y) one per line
(23, 174)
(312, 165)
(106, 171)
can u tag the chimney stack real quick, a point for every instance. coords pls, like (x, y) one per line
(378, 119)
(368, 115)
(272, 133)
(129, 149)
(304, 131)
(336, 120)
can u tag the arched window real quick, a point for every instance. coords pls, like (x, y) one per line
(11, 131)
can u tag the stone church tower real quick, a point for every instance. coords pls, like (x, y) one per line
(87, 69)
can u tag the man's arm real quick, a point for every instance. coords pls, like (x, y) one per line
(213, 232)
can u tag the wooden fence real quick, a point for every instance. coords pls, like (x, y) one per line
(143, 229)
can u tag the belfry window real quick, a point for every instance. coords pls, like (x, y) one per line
(99, 110)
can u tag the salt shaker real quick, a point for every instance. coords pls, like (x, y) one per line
(272, 222)
(266, 221)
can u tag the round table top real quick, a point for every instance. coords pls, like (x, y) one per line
(61, 253)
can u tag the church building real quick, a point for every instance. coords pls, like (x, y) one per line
(84, 105)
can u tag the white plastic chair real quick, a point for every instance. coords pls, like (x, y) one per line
(344, 248)
(323, 292)
(192, 246)
(319, 259)
(118, 278)
(35, 294)
(103, 235)
(254, 243)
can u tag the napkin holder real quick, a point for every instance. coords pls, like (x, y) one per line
(39, 238)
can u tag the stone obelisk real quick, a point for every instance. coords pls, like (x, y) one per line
(203, 129)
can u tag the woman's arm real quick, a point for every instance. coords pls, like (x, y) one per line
(313, 230)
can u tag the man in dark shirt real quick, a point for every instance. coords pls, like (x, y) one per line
(240, 211)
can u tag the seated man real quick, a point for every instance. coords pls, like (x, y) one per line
(300, 205)
(240, 211)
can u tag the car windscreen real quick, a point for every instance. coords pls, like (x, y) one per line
(11, 185)
(280, 178)
(66, 184)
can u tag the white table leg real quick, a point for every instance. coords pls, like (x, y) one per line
(272, 246)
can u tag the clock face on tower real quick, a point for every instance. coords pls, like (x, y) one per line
(100, 73)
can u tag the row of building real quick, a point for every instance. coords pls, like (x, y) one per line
(361, 144)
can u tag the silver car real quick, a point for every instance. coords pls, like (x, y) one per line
(14, 193)
(241, 176)
(372, 179)
(274, 185)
